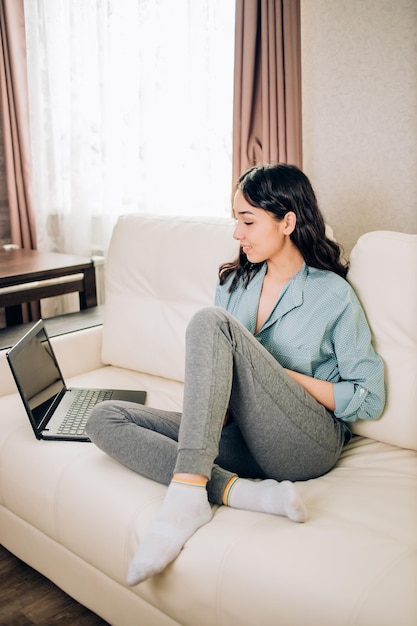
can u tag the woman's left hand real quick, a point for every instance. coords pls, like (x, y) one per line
(321, 390)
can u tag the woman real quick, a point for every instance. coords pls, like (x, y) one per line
(285, 355)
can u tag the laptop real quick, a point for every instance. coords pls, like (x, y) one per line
(55, 411)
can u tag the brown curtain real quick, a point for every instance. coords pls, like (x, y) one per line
(15, 118)
(267, 84)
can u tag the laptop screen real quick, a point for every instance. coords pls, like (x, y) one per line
(36, 372)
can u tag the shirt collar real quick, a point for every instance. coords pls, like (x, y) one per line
(291, 296)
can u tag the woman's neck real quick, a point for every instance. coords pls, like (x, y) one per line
(283, 267)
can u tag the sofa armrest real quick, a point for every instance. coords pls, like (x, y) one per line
(77, 352)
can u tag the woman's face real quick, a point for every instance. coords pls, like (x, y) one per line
(261, 236)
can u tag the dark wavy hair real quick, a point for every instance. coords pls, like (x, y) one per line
(278, 189)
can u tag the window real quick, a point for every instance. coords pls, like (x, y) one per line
(130, 110)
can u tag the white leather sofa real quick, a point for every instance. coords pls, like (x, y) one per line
(77, 516)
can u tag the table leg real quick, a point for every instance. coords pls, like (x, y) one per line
(88, 297)
(13, 315)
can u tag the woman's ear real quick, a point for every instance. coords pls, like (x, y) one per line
(290, 221)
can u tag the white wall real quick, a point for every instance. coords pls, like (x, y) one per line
(359, 60)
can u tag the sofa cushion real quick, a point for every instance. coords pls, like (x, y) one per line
(383, 273)
(353, 563)
(150, 296)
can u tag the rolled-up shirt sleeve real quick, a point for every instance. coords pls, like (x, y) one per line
(360, 391)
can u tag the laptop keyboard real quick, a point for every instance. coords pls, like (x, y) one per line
(80, 409)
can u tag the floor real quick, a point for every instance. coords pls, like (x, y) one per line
(27, 598)
(59, 325)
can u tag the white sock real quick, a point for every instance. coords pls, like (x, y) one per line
(266, 496)
(185, 509)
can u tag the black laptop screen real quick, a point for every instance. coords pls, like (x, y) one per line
(36, 373)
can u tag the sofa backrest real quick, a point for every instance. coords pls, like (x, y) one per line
(159, 272)
(383, 272)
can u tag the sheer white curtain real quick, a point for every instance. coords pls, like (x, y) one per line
(130, 110)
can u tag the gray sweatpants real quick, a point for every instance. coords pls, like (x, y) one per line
(276, 429)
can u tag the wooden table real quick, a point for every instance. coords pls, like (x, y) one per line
(31, 275)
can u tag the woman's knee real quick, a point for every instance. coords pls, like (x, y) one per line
(100, 418)
(207, 319)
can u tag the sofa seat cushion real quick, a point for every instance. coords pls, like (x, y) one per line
(99, 510)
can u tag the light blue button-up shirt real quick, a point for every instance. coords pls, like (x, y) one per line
(317, 328)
